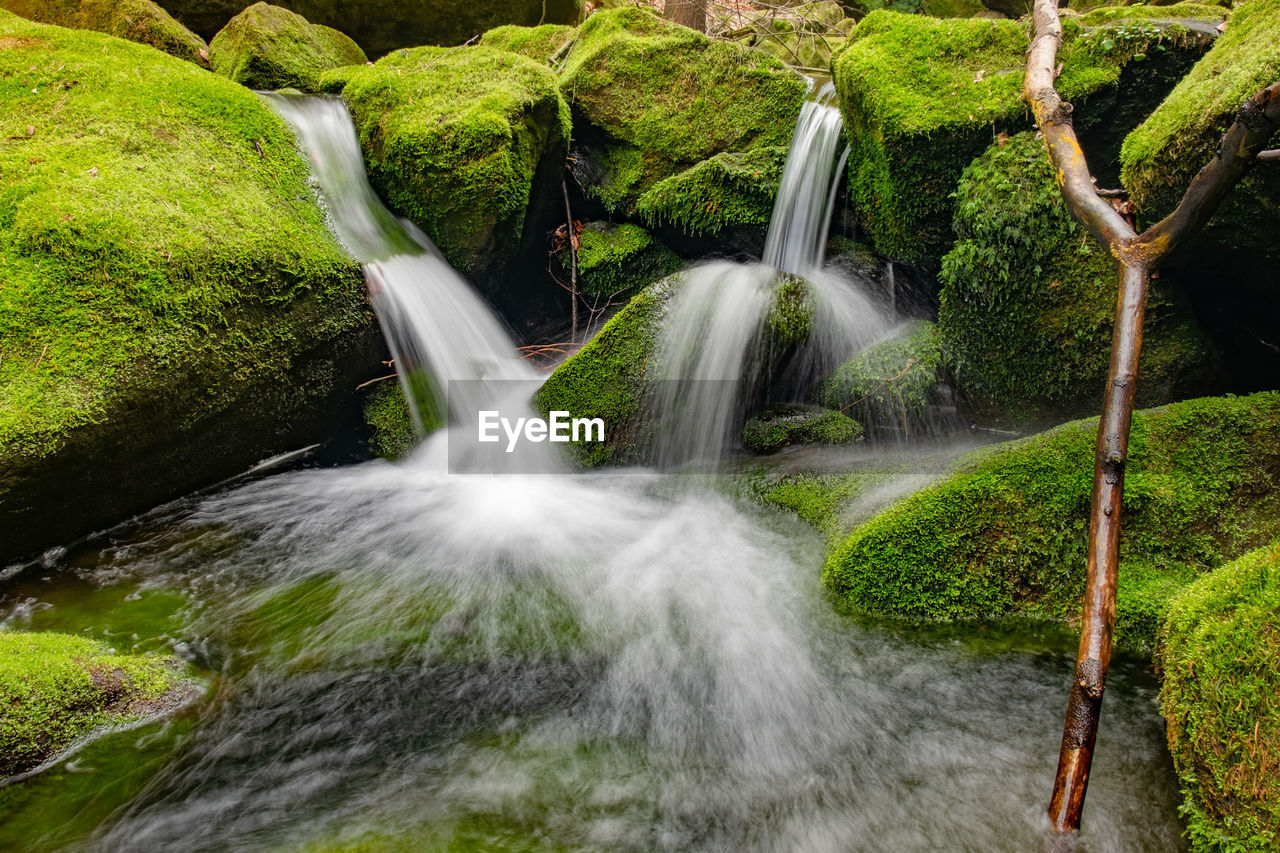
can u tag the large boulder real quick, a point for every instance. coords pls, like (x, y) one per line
(269, 47)
(1006, 533)
(136, 20)
(1220, 657)
(1028, 303)
(380, 26)
(174, 308)
(464, 142)
(615, 260)
(922, 97)
(56, 689)
(653, 100)
(541, 44)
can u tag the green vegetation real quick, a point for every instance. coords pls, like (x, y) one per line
(267, 47)
(614, 260)
(1028, 302)
(804, 35)
(923, 96)
(386, 413)
(888, 384)
(462, 141)
(652, 99)
(56, 688)
(1220, 656)
(166, 266)
(729, 190)
(538, 43)
(782, 426)
(1006, 533)
(136, 20)
(1161, 157)
(1171, 13)
(606, 379)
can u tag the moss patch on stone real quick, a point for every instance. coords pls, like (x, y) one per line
(1162, 155)
(652, 99)
(1027, 302)
(1220, 656)
(459, 141)
(615, 260)
(166, 266)
(537, 43)
(140, 21)
(1006, 533)
(57, 688)
(730, 190)
(386, 414)
(783, 426)
(889, 384)
(269, 47)
(923, 96)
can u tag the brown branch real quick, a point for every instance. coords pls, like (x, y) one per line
(1270, 154)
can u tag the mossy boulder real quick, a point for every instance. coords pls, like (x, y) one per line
(616, 260)
(389, 421)
(1006, 533)
(463, 142)
(1027, 303)
(783, 426)
(652, 99)
(733, 189)
(922, 97)
(1180, 137)
(380, 26)
(889, 386)
(541, 44)
(174, 308)
(56, 689)
(1219, 654)
(269, 47)
(136, 20)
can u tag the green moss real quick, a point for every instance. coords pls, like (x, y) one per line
(162, 250)
(1006, 533)
(386, 413)
(1220, 657)
(540, 44)
(1027, 302)
(1162, 156)
(824, 500)
(789, 322)
(455, 140)
(890, 383)
(614, 260)
(1172, 13)
(606, 379)
(783, 426)
(729, 190)
(57, 688)
(136, 20)
(655, 99)
(267, 47)
(952, 8)
(922, 97)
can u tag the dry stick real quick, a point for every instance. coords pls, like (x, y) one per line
(1137, 256)
(375, 381)
(573, 260)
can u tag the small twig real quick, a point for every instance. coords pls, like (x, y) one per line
(41, 358)
(374, 381)
(573, 258)
(1269, 154)
(888, 380)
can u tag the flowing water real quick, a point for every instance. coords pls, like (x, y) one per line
(407, 659)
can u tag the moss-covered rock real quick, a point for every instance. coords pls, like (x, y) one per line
(390, 423)
(1028, 302)
(1006, 533)
(380, 26)
(733, 189)
(173, 308)
(1162, 155)
(540, 44)
(615, 260)
(890, 385)
(268, 47)
(923, 96)
(463, 142)
(56, 689)
(607, 379)
(783, 426)
(1220, 656)
(652, 99)
(136, 20)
